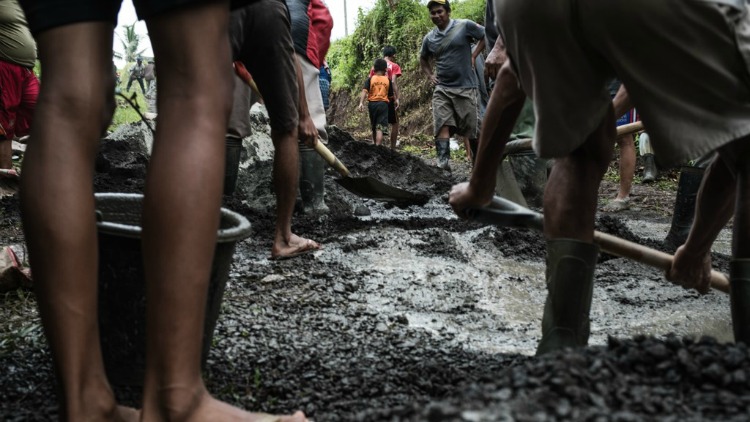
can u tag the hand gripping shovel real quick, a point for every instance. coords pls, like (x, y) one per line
(502, 212)
(368, 187)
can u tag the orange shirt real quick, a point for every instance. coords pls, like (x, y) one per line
(378, 88)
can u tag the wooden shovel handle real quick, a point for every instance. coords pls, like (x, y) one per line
(331, 159)
(629, 128)
(648, 256)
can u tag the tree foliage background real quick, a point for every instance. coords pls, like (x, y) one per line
(400, 23)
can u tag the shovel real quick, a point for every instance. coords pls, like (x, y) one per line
(368, 187)
(502, 212)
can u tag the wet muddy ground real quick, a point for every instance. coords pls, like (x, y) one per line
(410, 314)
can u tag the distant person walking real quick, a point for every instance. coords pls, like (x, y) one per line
(454, 100)
(379, 93)
(393, 72)
(325, 80)
(137, 73)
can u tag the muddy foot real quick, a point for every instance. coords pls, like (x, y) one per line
(296, 246)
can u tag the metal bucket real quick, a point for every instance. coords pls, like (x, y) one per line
(122, 292)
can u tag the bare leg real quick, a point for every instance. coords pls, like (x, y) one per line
(572, 189)
(394, 134)
(378, 136)
(627, 165)
(6, 153)
(285, 179)
(57, 201)
(181, 209)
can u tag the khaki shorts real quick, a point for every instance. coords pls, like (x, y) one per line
(457, 108)
(684, 63)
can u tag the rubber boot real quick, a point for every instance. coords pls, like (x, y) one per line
(442, 146)
(684, 207)
(232, 163)
(739, 281)
(311, 181)
(649, 168)
(570, 284)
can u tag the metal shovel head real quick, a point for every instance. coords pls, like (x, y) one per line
(368, 187)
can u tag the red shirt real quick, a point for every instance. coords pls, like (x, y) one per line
(393, 70)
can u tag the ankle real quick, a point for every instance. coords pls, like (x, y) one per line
(95, 402)
(175, 403)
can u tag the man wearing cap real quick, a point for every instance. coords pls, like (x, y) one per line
(454, 100)
(565, 69)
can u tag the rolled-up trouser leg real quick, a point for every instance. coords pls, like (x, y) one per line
(570, 283)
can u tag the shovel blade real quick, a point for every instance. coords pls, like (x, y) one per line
(368, 187)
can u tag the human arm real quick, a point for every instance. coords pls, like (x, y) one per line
(477, 51)
(307, 132)
(495, 60)
(394, 88)
(424, 64)
(621, 103)
(362, 99)
(502, 112)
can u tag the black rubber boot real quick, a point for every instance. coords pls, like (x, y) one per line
(649, 168)
(443, 148)
(232, 164)
(312, 181)
(684, 207)
(570, 284)
(739, 281)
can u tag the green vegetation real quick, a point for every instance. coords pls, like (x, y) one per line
(402, 26)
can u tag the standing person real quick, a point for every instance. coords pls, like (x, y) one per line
(454, 99)
(181, 209)
(379, 92)
(566, 67)
(149, 75)
(393, 72)
(19, 86)
(325, 85)
(278, 76)
(626, 143)
(137, 73)
(311, 33)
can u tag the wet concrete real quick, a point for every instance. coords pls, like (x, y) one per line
(412, 314)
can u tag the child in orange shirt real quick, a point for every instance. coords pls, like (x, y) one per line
(379, 92)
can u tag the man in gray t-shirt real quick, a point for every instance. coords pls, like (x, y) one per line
(454, 100)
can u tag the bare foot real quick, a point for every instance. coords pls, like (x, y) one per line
(294, 247)
(126, 414)
(691, 271)
(210, 409)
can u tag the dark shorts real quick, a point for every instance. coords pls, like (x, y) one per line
(47, 14)
(261, 38)
(378, 116)
(392, 117)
